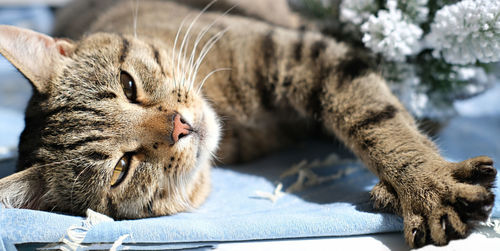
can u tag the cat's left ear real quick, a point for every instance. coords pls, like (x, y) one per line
(36, 55)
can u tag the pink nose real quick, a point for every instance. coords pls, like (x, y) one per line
(181, 128)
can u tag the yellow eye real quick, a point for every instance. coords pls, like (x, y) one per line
(120, 170)
(128, 86)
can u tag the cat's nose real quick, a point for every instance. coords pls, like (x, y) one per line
(181, 128)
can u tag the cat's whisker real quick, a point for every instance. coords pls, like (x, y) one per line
(135, 14)
(206, 48)
(74, 183)
(59, 162)
(96, 77)
(187, 35)
(210, 74)
(185, 68)
(180, 68)
(213, 155)
(208, 45)
(174, 52)
(198, 40)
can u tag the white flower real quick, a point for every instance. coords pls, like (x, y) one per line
(415, 9)
(390, 34)
(466, 32)
(356, 11)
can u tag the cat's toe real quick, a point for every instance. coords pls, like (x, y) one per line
(438, 226)
(385, 198)
(445, 225)
(415, 230)
(473, 199)
(478, 170)
(473, 202)
(453, 226)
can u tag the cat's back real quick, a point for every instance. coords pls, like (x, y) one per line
(82, 17)
(116, 16)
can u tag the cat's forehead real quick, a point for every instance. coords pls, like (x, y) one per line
(100, 41)
(124, 46)
(100, 58)
(117, 49)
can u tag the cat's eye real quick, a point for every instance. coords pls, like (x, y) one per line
(120, 170)
(128, 85)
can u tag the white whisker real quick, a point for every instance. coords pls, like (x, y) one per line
(59, 162)
(74, 182)
(187, 35)
(174, 47)
(97, 78)
(210, 74)
(135, 15)
(198, 40)
(184, 65)
(206, 48)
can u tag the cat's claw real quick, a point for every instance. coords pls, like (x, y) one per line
(444, 206)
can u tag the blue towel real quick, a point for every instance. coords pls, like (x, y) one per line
(231, 213)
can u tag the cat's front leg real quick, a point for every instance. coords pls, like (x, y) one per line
(438, 200)
(335, 85)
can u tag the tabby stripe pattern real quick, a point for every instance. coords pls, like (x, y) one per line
(124, 50)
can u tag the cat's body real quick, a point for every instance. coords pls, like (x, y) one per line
(282, 85)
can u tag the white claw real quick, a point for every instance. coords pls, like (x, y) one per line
(487, 208)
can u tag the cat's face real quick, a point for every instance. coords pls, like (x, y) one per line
(119, 129)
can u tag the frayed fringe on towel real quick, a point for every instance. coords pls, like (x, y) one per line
(118, 242)
(307, 178)
(330, 160)
(75, 234)
(273, 197)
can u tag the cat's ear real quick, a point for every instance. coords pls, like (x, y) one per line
(22, 189)
(36, 55)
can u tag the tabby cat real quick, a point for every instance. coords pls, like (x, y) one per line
(126, 119)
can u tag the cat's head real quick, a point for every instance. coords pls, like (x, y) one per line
(113, 125)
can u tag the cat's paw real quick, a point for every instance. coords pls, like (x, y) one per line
(442, 204)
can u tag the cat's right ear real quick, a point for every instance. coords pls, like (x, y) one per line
(22, 189)
(35, 55)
